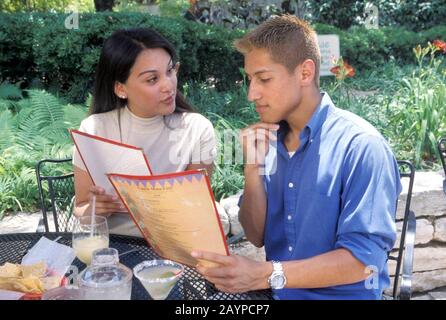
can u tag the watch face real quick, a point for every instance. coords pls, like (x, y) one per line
(277, 281)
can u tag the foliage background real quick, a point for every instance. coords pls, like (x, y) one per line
(47, 55)
(46, 74)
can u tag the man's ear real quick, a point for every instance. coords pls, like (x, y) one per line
(307, 72)
(120, 90)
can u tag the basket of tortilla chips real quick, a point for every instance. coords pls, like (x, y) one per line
(33, 280)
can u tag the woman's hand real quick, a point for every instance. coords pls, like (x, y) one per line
(105, 203)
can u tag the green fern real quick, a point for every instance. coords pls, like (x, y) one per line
(34, 128)
(46, 107)
(42, 122)
(28, 131)
(7, 129)
(4, 105)
(73, 115)
(10, 92)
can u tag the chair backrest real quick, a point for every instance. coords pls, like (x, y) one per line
(403, 269)
(56, 191)
(442, 152)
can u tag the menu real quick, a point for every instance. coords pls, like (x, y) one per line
(175, 212)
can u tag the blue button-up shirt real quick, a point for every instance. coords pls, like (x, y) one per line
(339, 190)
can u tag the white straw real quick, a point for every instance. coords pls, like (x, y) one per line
(93, 215)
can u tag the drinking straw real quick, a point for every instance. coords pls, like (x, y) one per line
(93, 215)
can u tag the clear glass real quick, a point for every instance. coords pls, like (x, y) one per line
(158, 276)
(89, 234)
(106, 278)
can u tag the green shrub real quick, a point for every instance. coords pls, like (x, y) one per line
(419, 116)
(16, 55)
(367, 49)
(44, 54)
(406, 106)
(209, 55)
(45, 5)
(413, 15)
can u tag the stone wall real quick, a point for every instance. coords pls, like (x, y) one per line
(429, 205)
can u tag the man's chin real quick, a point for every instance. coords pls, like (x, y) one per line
(268, 119)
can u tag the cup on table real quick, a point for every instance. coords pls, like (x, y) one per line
(89, 234)
(106, 278)
(158, 276)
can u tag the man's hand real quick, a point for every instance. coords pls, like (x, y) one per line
(255, 142)
(234, 274)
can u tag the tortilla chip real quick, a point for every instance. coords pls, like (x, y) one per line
(10, 270)
(30, 284)
(37, 269)
(27, 278)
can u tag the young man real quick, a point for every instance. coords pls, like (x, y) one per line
(324, 207)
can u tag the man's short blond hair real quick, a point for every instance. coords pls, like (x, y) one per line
(289, 40)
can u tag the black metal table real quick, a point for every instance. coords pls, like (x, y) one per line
(192, 286)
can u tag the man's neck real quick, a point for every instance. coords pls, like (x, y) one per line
(299, 118)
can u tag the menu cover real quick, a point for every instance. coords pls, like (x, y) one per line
(175, 212)
(102, 156)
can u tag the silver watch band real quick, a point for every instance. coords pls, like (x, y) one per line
(277, 266)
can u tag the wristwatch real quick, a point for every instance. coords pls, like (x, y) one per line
(277, 279)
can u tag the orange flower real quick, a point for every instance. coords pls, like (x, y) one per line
(441, 45)
(335, 70)
(343, 70)
(350, 71)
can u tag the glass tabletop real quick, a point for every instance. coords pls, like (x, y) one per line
(190, 287)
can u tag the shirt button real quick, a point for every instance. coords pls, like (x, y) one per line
(289, 217)
(290, 185)
(290, 248)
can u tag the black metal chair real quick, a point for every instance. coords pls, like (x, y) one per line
(236, 238)
(56, 191)
(442, 152)
(402, 286)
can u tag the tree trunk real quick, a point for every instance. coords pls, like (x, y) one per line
(104, 5)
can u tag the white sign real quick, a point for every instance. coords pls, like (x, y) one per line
(329, 47)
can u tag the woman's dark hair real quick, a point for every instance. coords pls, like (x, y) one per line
(118, 56)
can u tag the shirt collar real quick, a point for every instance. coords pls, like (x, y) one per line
(316, 120)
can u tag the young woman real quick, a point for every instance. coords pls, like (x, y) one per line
(136, 102)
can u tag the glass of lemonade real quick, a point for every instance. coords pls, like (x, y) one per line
(158, 276)
(89, 234)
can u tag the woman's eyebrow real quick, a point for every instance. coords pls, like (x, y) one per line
(147, 71)
(169, 65)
